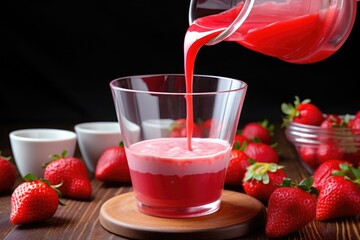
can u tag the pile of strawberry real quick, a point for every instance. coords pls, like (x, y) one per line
(37, 199)
(340, 140)
(333, 191)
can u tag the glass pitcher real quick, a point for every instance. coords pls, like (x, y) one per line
(295, 31)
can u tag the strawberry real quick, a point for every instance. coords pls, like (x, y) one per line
(303, 112)
(205, 127)
(236, 169)
(331, 121)
(308, 155)
(155, 83)
(112, 165)
(261, 152)
(357, 114)
(178, 129)
(72, 173)
(352, 149)
(239, 139)
(261, 179)
(325, 170)
(263, 131)
(340, 194)
(353, 123)
(8, 174)
(290, 207)
(353, 156)
(210, 128)
(327, 151)
(34, 200)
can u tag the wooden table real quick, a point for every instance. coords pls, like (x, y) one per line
(80, 219)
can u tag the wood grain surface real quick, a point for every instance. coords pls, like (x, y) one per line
(81, 219)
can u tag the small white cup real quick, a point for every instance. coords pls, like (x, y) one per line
(94, 138)
(31, 148)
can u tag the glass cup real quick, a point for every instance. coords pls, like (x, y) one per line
(296, 31)
(175, 174)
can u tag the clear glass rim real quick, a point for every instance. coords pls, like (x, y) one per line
(243, 85)
(311, 128)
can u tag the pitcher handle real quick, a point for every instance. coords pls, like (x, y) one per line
(235, 25)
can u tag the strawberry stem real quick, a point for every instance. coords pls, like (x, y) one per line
(348, 172)
(31, 177)
(290, 110)
(305, 184)
(55, 157)
(270, 127)
(6, 158)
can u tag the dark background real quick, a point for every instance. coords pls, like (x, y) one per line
(57, 60)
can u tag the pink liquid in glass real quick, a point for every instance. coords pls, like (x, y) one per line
(171, 181)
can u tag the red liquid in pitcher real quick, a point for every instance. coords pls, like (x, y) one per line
(288, 35)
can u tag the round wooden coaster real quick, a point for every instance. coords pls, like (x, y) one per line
(239, 214)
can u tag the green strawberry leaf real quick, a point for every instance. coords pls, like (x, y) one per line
(3, 157)
(286, 108)
(237, 145)
(305, 184)
(266, 178)
(30, 177)
(286, 183)
(57, 156)
(348, 172)
(290, 110)
(259, 171)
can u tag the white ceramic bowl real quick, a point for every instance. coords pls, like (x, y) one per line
(94, 138)
(31, 148)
